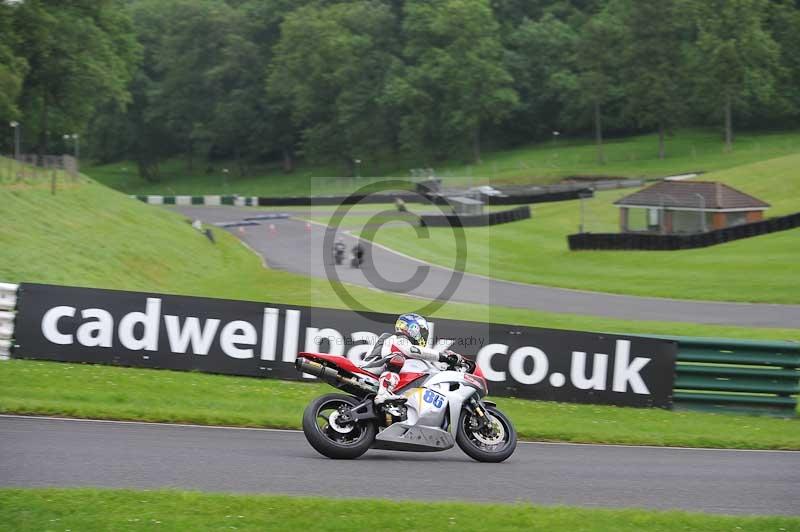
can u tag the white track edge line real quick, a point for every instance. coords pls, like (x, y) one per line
(577, 444)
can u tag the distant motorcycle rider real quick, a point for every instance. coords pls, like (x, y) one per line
(391, 351)
(338, 251)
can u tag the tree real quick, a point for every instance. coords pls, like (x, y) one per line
(783, 23)
(12, 67)
(654, 71)
(191, 73)
(454, 82)
(598, 65)
(330, 69)
(80, 53)
(736, 60)
(139, 131)
(541, 59)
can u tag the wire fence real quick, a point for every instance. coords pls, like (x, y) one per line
(36, 170)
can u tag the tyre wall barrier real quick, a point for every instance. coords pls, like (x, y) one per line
(8, 304)
(475, 220)
(722, 374)
(653, 242)
(544, 197)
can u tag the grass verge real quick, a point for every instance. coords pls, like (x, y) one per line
(105, 392)
(93, 509)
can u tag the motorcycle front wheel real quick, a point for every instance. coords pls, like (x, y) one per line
(492, 443)
(332, 438)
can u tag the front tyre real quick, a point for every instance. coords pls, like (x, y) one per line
(332, 438)
(493, 443)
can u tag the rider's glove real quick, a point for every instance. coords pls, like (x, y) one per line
(450, 358)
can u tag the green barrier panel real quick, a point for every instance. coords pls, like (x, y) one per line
(728, 375)
(751, 374)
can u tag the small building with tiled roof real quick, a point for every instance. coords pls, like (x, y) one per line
(680, 207)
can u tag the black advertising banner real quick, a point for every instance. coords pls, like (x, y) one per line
(262, 339)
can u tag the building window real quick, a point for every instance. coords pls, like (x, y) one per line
(736, 218)
(637, 220)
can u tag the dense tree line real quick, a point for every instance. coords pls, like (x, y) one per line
(275, 80)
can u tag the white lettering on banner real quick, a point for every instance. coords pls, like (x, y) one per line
(199, 337)
(315, 337)
(238, 333)
(516, 365)
(484, 360)
(357, 353)
(96, 333)
(269, 334)
(149, 319)
(625, 373)
(95, 327)
(577, 371)
(291, 330)
(50, 325)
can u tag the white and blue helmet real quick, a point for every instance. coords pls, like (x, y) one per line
(414, 327)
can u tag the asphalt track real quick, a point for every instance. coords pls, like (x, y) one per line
(297, 247)
(47, 452)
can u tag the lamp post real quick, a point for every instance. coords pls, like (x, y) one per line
(16, 125)
(358, 167)
(75, 147)
(555, 136)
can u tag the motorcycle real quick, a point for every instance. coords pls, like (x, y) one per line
(441, 409)
(357, 256)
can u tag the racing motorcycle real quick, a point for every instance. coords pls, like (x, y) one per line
(440, 409)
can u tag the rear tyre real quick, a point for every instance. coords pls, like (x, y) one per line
(333, 439)
(490, 444)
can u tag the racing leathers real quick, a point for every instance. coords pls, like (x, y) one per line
(394, 354)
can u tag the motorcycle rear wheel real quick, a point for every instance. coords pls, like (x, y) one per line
(339, 441)
(486, 445)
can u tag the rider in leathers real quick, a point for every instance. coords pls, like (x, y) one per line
(391, 352)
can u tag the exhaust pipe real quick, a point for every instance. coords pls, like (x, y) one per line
(332, 376)
(318, 370)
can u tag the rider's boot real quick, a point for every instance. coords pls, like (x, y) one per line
(386, 384)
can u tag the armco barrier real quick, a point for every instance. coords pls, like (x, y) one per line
(8, 302)
(655, 242)
(737, 375)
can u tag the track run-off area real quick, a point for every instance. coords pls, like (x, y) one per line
(50, 452)
(296, 246)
